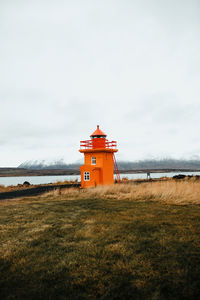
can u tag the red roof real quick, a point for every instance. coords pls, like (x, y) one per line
(98, 132)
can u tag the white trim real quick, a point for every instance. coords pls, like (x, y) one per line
(86, 176)
(93, 160)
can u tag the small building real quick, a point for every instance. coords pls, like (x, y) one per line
(99, 159)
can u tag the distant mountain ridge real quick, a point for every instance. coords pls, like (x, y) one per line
(45, 165)
(160, 164)
(122, 165)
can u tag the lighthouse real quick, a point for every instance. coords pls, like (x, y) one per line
(99, 160)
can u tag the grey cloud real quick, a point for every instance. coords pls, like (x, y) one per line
(131, 66)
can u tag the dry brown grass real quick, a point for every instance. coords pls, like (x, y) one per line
(4, 188)
(10, 188)
(169, 192)
(114, 242)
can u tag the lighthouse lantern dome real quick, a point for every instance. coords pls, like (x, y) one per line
(98, 133)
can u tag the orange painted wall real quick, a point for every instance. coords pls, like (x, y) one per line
(102, 172)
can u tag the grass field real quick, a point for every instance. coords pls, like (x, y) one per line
(119, 242)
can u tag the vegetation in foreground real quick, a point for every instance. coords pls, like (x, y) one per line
(119, 242)
(26, 185)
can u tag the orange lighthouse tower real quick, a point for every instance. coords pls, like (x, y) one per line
(99, 159)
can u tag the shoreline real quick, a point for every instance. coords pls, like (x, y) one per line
(12, 172)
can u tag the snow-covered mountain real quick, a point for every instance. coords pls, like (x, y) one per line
(48, 164)
(192, 164)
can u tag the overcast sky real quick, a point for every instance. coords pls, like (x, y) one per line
(131, 66)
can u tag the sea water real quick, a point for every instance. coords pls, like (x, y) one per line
(6, 181)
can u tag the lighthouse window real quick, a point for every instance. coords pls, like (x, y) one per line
(93, 160)
(86, 176)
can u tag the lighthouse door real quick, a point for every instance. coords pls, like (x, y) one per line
(96, 176)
